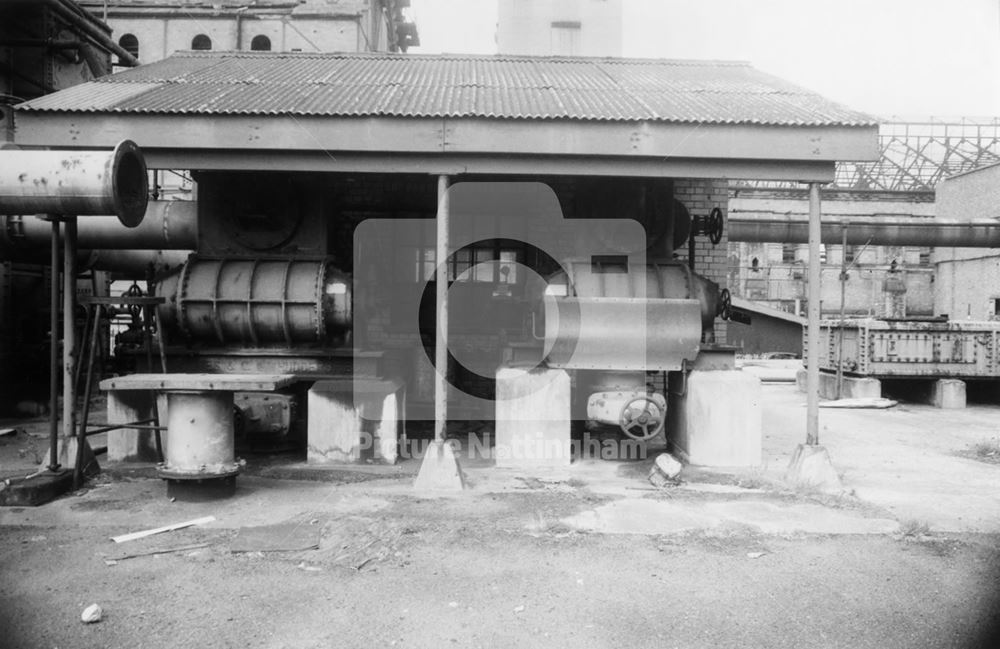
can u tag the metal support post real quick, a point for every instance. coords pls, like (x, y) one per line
(54, 349)
(843, 312)
(441, 305)
(69, 328)
(812, 357)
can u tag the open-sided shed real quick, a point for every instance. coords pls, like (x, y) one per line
(348, 137)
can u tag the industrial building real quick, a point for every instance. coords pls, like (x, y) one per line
(291, 167)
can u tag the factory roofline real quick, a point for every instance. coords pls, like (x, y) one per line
(492, 87)
(457, 114)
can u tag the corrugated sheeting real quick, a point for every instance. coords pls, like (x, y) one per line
(499, 87)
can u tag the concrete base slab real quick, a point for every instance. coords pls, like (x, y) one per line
(36, 490)
(853, 387)
(440, 470)
(718, 420)
(646, 516)
(351, 420)
(532, 418)
(948, 394)
(811, 468)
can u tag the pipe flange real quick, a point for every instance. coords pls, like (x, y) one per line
(204, 472)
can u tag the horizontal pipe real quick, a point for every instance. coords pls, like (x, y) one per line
(80, 20)
(75, 183)
(133, 264)
(167, 225)
(973, 234)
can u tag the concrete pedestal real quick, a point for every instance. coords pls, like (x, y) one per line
(532, 418)
(718, 420)
(948, 394)
(352, 420)
(130, 444)
(810, 468)
(853, 387)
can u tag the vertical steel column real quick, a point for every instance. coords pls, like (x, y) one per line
(54, 349)
(812, 357)
(441, 307)
(69, 328)
(843, 312)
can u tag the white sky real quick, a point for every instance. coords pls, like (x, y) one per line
(908, 58)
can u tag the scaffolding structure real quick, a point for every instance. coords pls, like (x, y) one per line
(916, 156)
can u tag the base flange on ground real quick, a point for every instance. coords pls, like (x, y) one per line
(811, 467)
(439, 470)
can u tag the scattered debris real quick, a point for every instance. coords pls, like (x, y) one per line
(91, 614)
(158, 530)
(664, 471)
(864, 402)
(281, 537)
(183, 548)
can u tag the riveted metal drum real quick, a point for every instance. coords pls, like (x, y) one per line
(257, 301)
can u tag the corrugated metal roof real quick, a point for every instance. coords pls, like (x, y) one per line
(498, 87)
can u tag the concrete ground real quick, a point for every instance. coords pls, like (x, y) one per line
(590, 556)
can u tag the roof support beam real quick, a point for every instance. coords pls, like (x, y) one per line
(492, 137)
(464, 164)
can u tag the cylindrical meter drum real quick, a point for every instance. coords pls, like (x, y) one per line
(200, 442)
(257, 301)
(653, 280)
(76, 183)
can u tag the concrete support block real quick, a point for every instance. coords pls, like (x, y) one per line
(718, 421)
(353, 420)
(854, 387)
(948, 394)
(811, 468)
(532, 418)
(130, 444)
(440, 469)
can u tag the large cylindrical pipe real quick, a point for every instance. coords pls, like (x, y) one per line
(133, 263)
(257, 301)
(167, 225)
(75, 183)
(972, 234)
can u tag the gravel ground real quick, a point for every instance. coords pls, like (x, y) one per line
(487, 570)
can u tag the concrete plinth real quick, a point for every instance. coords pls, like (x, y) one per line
(717, 421)
(439, 469)
(352, 420)
(948, 394)
(532, 418)
(130, 444)
(36, 490)
(811, 468)
(853, 387)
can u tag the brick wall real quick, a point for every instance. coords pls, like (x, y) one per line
(700, 196)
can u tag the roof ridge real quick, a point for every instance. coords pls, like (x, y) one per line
(447, 56)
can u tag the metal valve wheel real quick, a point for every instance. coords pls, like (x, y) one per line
(725, 307)
(642, 418)
(713, 228)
